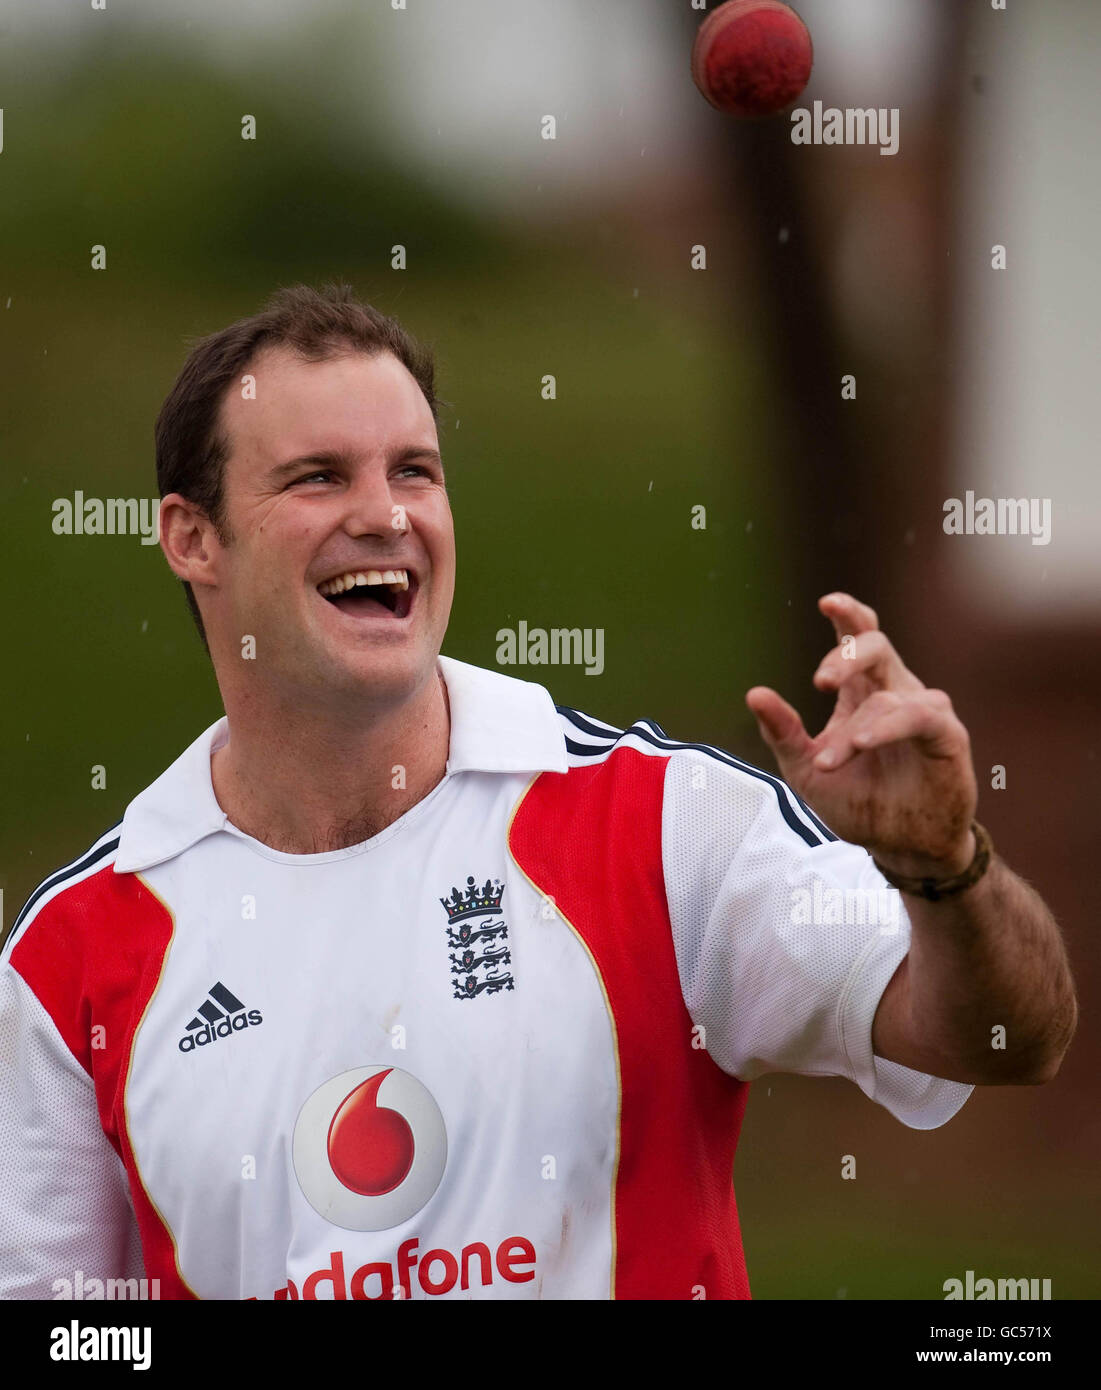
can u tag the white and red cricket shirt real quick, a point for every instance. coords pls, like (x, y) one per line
(499, 1050)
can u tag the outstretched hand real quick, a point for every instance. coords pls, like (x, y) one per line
(892, 769)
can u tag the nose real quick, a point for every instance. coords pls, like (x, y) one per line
(370, 508)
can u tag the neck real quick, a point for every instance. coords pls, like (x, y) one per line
(304, 785)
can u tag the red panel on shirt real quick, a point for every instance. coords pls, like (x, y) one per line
(93, 957)
(591, 839)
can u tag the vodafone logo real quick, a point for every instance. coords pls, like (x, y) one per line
(369, 1148)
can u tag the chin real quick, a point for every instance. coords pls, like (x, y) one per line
(386, 675)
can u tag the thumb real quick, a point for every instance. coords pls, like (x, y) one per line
(780, 726)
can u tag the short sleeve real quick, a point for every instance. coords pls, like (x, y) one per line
(64, 1199)
(785, 936)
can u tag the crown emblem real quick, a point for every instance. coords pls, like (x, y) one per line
(473, 901)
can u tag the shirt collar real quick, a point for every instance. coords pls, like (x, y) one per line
(498, 724)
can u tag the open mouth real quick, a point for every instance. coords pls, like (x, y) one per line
(371, 593)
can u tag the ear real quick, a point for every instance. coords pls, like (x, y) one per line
(188, 539)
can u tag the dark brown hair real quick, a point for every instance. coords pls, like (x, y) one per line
(191, 445)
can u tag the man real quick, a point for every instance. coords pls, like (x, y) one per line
(403, 982)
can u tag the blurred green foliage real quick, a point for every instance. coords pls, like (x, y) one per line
(573, 512)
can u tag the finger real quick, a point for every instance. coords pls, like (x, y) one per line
(870, 654)
(927, 722)
(848, 614)
(888, 717)
(835, 744)
(780, 725)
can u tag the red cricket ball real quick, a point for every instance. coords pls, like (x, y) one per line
(752, 57)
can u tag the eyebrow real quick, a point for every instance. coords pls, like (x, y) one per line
(337, 458)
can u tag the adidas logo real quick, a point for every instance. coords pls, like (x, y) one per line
(219, 1015)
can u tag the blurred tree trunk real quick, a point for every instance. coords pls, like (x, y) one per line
(849, 478)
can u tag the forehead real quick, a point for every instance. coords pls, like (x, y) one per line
(352, 403)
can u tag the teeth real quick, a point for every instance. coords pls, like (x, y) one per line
(397, 580)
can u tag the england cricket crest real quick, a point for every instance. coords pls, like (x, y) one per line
(478, 937)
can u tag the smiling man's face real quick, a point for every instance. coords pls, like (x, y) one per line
(334, 472)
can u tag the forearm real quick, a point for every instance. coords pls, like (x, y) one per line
(987, 960)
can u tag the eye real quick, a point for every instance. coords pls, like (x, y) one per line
(309, 477)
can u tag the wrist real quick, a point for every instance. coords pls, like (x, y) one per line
(921, 866)
(947, 877)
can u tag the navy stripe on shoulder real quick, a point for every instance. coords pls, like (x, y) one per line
(820, 824)
(639, 730)
(583, 750)
(585, 723)
(78, 866)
